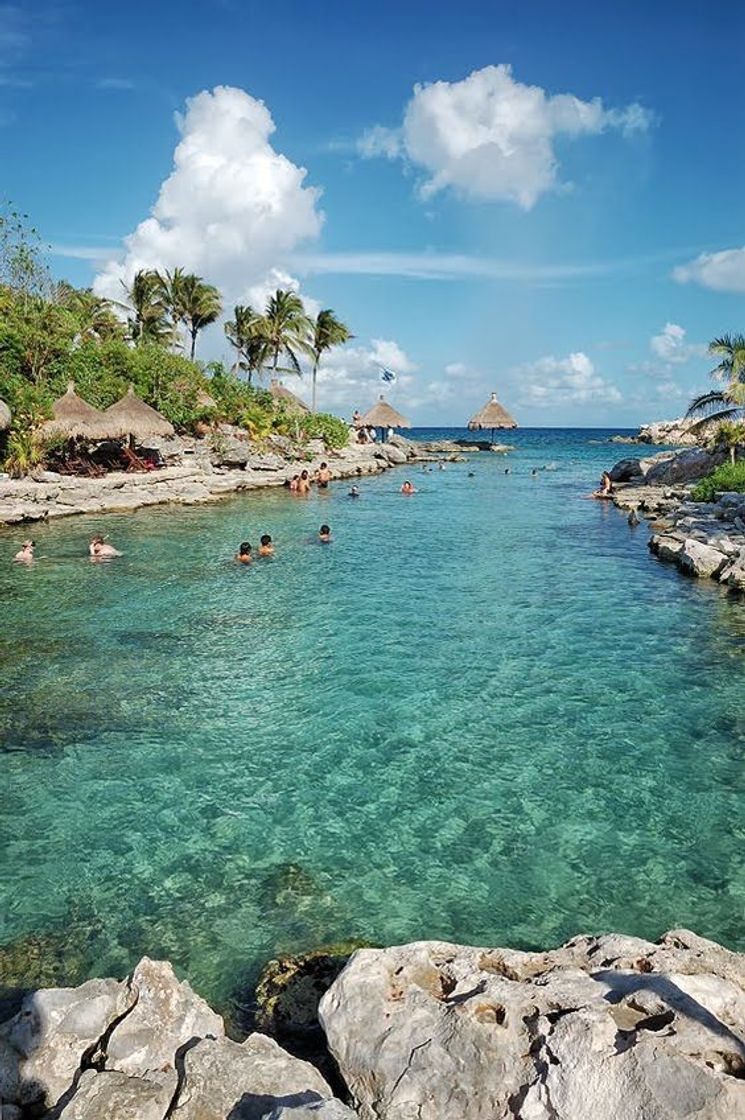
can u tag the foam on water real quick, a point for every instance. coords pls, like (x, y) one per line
(483, 713)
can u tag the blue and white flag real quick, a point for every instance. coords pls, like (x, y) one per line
(387, 375)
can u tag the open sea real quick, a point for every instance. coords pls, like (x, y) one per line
(483, 713)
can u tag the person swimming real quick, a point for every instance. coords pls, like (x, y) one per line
(303, 483)
(293, 483)
(354, 492)
(266, 547)
(25, 555)
(323, 476)
(324, 534)
(243, 555)
(99, 550)
(408, 488)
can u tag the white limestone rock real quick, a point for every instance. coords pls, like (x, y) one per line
(43, 1046)
(699, 559)
(167, 1015)
(610, 1027)
(247, 1081)
(108, 1095)
(667, 547)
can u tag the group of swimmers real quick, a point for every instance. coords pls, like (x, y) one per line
(244, 555)
(301, 483)
(98, 549)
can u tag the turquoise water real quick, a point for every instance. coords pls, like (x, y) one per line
(483, 713)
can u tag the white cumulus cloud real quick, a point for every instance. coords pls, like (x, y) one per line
(349, 377)
(490, 136)
(573, 379)
(231, 208)
(670, 345)
(723, 271)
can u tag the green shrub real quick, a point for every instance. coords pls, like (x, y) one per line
(321, 425)
(730, 476)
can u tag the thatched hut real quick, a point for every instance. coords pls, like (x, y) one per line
(287, 398)
(5, 416)
(74, 418)
(383, 415)
(493, 415)
(133, 418)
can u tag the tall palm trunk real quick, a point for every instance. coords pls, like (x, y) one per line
(313, 391)
(194, 332)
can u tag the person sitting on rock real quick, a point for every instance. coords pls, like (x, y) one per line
(266, 547)
(99, 550)
(243, 555)
(26, 553)
(606, 487)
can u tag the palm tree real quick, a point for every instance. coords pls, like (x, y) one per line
(147, 321)
(730, 436)
(189, 300)
(287, 329)
(727, 403)
(328, 331)
(172, 294)
(246, 332)
(95, 315)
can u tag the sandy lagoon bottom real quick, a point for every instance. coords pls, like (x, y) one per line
(483, 713)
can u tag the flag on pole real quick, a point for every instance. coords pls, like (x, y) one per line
(387, 375)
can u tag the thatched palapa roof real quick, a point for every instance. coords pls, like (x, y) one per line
(5, 416)
(76, 419)
(492, 415)
(383, 415)
(132, 417)
(287, 398)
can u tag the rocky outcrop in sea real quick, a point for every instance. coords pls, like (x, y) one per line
(605, 1027)
(704, 539)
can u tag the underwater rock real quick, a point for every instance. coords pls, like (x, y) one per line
(290, 989)
(57, 958)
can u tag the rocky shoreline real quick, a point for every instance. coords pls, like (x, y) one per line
(609, 1026)
(703, 539)
(197, 471)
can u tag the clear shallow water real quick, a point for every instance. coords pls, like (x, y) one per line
(483, 713)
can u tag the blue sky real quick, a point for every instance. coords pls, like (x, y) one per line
(554, 212)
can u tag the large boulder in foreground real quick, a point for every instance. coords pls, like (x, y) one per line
(609, 1027)
(43, 1046)
(246, 1081)
(109, 1095)
(166, 1016)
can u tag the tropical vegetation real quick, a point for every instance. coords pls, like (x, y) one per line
(52, 333)
(728, 477)
(727, 401)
